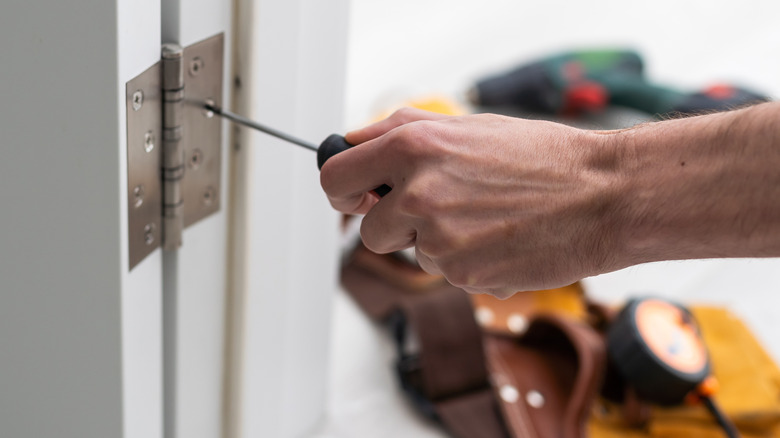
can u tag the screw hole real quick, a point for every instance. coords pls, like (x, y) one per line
(196, 66)
(149, 141)
(138, 100)
(209, 195)
(196, 159)
(138, 195)
(149, 234)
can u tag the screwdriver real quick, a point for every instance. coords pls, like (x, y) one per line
(331, 146)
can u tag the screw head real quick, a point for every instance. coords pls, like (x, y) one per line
(138, 100)
(149, 234)
(196, 66)
(209, 196)
(196, 159)
(149, 141)
(208, 113)
(138, 195)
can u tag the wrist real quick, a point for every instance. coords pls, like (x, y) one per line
(698, 187)
(631, 183)
(609, 158)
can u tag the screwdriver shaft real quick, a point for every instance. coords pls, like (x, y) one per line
(252, 124)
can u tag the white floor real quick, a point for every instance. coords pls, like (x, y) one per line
(410, 47)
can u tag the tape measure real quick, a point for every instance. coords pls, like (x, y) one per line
(657, 347)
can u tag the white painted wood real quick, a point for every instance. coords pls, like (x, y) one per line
(195, 279)
(80, 352)
(285, 264)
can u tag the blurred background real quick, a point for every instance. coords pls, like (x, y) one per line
(411, 48)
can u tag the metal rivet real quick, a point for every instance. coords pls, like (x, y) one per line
(517, 323)
(508, 393)
(483, 315)
(196, 159)
(149, 141)
(138, 100)
(534, 399)
(138, 195)
(149, 234)
(209, 195)
(208, 113)
(196, 66)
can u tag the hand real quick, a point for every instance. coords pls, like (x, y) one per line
(495, 204)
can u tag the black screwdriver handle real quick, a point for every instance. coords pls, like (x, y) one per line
(335, 144)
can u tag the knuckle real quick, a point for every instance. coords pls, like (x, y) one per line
(417, 139)
(456, 275)
(422, 199)
(432, 247)
(415, 200)
(426, 263)
(405, 115)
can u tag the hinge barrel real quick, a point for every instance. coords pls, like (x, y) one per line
(173, 148)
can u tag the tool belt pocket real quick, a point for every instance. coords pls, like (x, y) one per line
(536, 364)
(521, 372)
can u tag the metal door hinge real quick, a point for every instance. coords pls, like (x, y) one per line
(173, 145)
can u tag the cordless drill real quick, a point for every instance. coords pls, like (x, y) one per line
(586, 81)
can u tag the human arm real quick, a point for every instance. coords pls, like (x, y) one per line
(499, 204)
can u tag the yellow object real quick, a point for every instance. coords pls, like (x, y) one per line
(749, 389)
(433, 103)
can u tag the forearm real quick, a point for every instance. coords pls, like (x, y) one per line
(498, 204)
(700, 187)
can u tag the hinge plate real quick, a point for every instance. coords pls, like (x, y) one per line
(201, 137)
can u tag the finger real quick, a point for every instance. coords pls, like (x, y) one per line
(348, 176)
(384, 230)
(358, 204)
(426, 263)
(398, 118)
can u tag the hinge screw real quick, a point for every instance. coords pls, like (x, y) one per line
(138, 100)
(138, 195)
(196, 66)
(209, 195)
(149, 234)
(196, 159)
(149, 141)
(209, 113)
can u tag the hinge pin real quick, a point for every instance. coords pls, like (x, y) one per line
(173, 149)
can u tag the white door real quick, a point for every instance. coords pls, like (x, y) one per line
(226, 336)
(88, 347)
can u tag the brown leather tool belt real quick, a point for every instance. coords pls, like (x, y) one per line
(518, 372)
